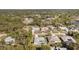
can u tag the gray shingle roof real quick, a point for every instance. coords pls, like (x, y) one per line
(68, 38)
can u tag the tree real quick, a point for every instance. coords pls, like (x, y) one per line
(45, 47)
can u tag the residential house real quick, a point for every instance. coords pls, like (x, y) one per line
(28, 20)
(53, 39)
(39, 41)
(35, 30)
(73, 28)
(44, 29)
(67, 39)
(9, 40)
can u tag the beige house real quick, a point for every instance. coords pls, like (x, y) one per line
(27, 20)
(54, 39)
(44, 29)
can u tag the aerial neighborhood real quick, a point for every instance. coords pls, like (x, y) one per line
(39, 29)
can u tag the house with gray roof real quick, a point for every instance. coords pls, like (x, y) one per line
(67, 39)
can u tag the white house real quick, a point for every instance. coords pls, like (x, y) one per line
(9, 40)
(39, 40)
(28, 20)
(35, 29)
